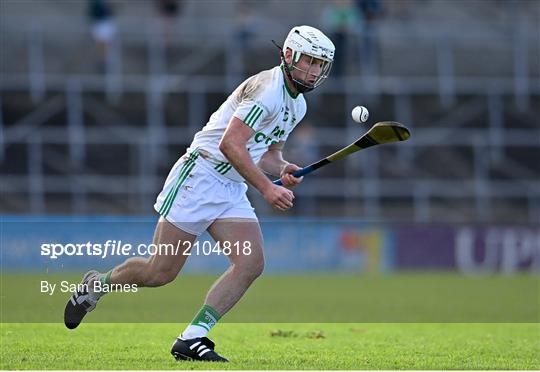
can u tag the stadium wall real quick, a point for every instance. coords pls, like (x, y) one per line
(291, 246)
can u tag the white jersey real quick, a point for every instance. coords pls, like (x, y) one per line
(262, 102)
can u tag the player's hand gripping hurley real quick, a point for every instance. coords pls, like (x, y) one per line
(382, 132)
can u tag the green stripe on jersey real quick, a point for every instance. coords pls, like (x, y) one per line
(251, 112)
(255, 116)
(223, 167)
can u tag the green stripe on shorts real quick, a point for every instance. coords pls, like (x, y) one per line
(171, 191)
(183, 170)
(187, 167)
(168, 205)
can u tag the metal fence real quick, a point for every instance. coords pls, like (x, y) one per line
(491, 117)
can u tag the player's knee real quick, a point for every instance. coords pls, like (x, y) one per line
(250, 270)
(159, 278)
(258, 269)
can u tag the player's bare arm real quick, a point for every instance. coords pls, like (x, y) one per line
(233, 147)
(272, 162)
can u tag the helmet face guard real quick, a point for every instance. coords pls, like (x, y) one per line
(308, 80)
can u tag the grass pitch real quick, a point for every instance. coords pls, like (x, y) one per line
(330, 298)
(401, 321)
(277, 346)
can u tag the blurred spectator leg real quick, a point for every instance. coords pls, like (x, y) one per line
(103, 29)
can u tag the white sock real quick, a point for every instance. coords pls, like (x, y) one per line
(193, 331)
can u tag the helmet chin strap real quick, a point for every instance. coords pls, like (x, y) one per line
(301, 88)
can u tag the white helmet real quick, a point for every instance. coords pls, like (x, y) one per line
(312, 42)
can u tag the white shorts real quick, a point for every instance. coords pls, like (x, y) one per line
(195, 195)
